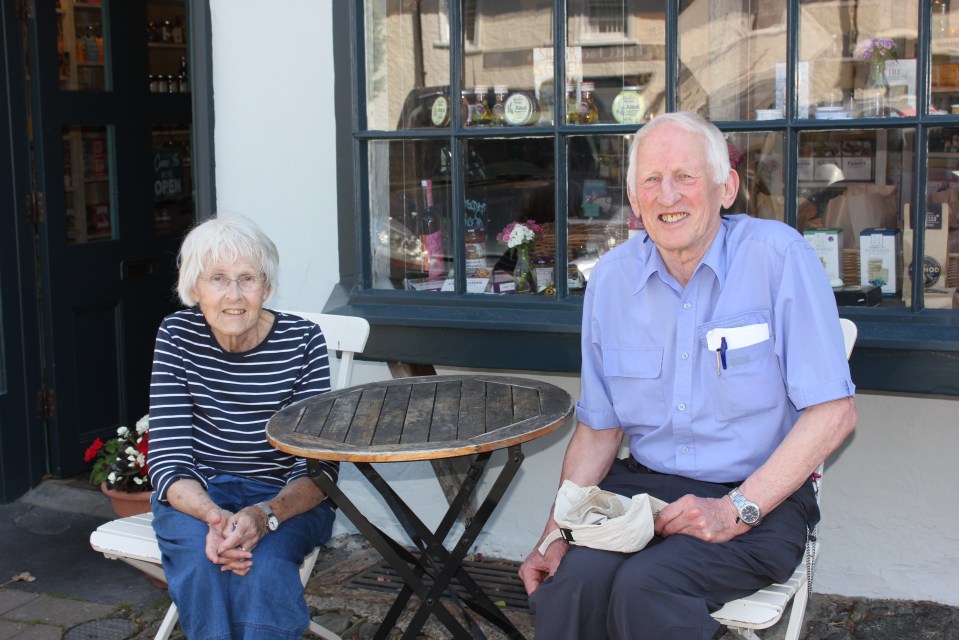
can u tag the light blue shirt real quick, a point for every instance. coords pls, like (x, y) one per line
(647, 366)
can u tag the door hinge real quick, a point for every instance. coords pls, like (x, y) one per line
(36, 208)
(46, 403)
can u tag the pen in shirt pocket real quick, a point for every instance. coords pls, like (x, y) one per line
(721, 357)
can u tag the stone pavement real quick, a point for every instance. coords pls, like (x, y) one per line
(77, 594)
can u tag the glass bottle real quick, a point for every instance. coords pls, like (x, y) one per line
(183, 76)
(499, 105)
(475, 248)
(481, 111)
(466, 107)
(572, 110)
(431, 234)
(587, 111)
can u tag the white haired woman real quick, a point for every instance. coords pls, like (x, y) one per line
(234, 517)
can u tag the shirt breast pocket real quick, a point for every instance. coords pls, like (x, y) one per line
(751, 383)
(634, 378)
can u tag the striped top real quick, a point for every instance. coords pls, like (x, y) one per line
(209, 407)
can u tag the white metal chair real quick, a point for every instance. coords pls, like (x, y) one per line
(765, 607)
(132, 539)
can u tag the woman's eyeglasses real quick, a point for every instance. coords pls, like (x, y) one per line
(247, 282)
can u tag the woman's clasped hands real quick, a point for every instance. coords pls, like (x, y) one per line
(232, 538)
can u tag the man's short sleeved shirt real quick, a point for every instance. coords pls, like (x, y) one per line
(653, 356)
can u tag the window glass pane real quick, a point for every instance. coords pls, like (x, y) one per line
(616, 61)
(82, 45)
(757, 158)
(512, 182)
(940, 268)
(857, 60)
(944, 46)
(732, 58)
(88, 183)
(407, 63)
(599, 213)
(851, 183)
(173, 210)
(167, 46)
(411, 228)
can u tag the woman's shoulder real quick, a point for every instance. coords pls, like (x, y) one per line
(190, 319)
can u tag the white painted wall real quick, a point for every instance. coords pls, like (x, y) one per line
(891, 517)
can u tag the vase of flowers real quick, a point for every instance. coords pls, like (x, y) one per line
(120, 468)
(875, 92)
(518, 236)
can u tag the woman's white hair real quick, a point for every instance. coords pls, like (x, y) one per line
(224, 240)
(717, 151)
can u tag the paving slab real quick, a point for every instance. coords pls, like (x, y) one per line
(11, 599)
(59, 611)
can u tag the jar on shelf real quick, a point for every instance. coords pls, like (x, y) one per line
(482, 115)
(498, 110)
(572, 107)
(440, 112)
(520, 109)
(629, 106)
(587, 111)
(466, 107)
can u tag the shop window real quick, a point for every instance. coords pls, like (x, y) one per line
(841, 118)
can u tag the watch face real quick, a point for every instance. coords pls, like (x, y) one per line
(750, 514)
(273, 523)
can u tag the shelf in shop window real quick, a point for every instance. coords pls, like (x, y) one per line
(945, 89)
(88, 5)
(96, 179)
(89, 64)
(166, 45)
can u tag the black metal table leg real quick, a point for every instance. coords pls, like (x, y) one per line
(441, 564)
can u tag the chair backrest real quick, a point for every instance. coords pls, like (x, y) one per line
(346, 334)
(849, 334)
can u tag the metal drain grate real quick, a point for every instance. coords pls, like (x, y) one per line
(498, 578)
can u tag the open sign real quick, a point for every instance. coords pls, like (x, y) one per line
(167, 175)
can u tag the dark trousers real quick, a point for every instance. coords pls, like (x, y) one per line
(667, 590)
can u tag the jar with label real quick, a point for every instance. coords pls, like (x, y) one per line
(520, 109)
(629, 107)
(587, 111)
(440, 112)
(499, 105)
(482, 115)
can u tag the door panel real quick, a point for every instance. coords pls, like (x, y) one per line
(107, 264)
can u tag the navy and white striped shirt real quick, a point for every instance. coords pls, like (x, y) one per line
(209, 407)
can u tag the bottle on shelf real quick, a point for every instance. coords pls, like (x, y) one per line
(475, 246)
(587, 111)
(572, 108)
(431, 234)
(440, 112)
(183, 77)
(499, 105)
(481, 111)
(466, 107)
(176, 32)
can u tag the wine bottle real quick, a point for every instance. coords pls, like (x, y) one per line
(431, 234)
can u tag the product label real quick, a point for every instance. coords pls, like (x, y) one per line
(629, 107)
(433, 254)
(518, 109)
(440, 111)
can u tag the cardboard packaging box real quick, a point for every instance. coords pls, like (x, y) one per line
(880, 259)
(828, 246)
(935, 262)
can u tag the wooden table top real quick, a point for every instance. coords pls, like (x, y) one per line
(421, 418)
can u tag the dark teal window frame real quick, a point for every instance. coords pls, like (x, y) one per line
(912, 350)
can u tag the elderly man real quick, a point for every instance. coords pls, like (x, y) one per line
(713, 344)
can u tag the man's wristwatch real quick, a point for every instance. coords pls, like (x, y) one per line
(749, 512)
(272, 522)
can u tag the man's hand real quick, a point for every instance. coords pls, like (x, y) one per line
(709, 519)
(538, 566)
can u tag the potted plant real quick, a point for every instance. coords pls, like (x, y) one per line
(120, 468)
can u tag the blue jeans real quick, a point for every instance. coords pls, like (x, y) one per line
(268, 602)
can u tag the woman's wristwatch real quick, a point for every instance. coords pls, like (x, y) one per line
(272, 522)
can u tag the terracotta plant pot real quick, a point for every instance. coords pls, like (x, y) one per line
(127, 504)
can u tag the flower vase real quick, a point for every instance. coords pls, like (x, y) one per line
(523, 276)
(126, 503)
(876, 91)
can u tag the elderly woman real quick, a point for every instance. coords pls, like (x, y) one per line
(234, 517)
